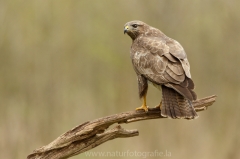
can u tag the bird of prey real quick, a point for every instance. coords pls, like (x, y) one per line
(162, 61)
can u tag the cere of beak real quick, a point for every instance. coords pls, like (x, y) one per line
(125, 29)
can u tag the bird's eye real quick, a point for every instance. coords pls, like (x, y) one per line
(134, 25)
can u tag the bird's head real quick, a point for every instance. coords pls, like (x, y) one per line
(134, 28)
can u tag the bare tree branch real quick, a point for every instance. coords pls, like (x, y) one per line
(93, 133)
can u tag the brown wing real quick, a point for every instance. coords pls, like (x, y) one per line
(152, 59)
(176, 50)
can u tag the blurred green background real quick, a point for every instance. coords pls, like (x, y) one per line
(66, 62)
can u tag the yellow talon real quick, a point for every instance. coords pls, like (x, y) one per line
(144, 105)
(159, 106)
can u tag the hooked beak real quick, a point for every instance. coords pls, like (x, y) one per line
(126, 29)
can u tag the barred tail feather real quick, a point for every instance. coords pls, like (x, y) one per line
(176, 106)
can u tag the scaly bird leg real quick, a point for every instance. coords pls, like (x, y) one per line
(159, 106)
(144, 105)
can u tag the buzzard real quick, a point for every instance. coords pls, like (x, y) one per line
(162, 61)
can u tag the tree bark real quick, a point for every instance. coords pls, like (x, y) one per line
(93, 133)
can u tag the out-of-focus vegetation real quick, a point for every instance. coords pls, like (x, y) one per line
(66, 62)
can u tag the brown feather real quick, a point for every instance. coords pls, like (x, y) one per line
(142, 86)
(175, 105)
(194, 95)
(176, 68)
(184, 83)
(190, 83)
(170, 57)
(176, 49)
(178, 78)
(183, 91)
(169, 78)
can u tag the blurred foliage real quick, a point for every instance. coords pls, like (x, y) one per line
(66, 62)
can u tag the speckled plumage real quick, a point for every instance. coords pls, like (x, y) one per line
(162, 61)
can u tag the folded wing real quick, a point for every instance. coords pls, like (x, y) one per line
(164, 62)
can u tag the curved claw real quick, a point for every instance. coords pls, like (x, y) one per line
(159, 106)
(143, 107)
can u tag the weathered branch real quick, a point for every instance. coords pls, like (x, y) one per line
(93, 133)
